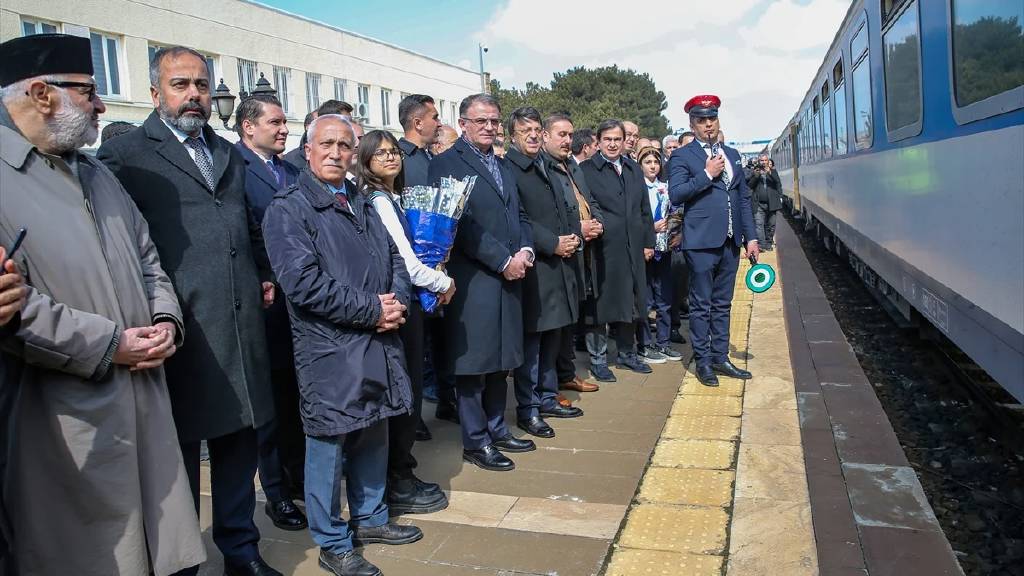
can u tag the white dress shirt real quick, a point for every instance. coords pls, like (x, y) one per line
(422, 276)
(181, 136)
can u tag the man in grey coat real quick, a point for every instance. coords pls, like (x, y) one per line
(95, 484)
(189, 183)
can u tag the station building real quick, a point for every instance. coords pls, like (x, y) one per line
(308, 62)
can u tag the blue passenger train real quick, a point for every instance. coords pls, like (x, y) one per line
(909, 148)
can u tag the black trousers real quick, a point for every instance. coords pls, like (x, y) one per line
(443, 376)
(680, 288)
(282, 444)
(232, 467)
(565, 365)
(402, 429)
(482, 408)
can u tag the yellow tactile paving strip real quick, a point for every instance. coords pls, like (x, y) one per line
(696, 512)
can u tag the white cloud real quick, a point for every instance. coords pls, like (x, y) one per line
(760, 71)
(786, 25)
(601, 27)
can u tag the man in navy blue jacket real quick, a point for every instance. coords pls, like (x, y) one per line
(493, 249)
(263, 131)
(706, 178)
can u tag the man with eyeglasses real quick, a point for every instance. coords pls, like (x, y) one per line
(189, 184)
(631, 139)
(484, 322)
(96, 483)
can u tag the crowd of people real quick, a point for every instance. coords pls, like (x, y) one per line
(178, 291)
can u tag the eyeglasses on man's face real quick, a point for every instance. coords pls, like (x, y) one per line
(484, 122)
(383, 154)
(90, 86)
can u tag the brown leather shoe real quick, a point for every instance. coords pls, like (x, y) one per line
(578, 384)
(564, 402)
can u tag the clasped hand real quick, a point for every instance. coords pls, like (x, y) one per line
(591, 229)
(516, 269)
(146, 346)
(567, 245)
(392, 313)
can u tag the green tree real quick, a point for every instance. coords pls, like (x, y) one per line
(593, 95)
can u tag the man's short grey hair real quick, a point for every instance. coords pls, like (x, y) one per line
(485, 99)
(170, 52)
(311, 133)
(669, 138)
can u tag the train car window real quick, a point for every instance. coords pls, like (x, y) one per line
(901, 44)
(839, 104)
(826, 122)
(987, 48)
(816, 130)
(863, 124)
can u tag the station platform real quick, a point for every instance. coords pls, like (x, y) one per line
(795, 472)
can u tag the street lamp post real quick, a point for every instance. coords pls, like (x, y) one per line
(484, 84)
(224, 100)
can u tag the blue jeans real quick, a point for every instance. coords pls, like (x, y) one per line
(361, 457)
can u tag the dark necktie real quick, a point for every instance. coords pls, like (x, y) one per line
(274, 170)
(342, 199)
(202, 160)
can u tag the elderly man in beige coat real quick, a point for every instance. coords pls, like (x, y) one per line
(95, 483)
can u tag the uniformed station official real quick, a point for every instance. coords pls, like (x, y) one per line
(706, 178)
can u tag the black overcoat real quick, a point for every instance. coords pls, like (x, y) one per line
(212, 249)
(585, 261)
(619, 252)
(765, 189)
(551, 288)
(484, 321)
(332, 263)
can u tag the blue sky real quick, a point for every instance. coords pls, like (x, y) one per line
(759, 56)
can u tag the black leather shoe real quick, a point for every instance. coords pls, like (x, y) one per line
(707, 376)
(447, 411)
(632, 362)
(536, 426)
(411, 496)
(559, 411)
(423, 433)
(255, 568)
(601, 373)
(390, 533)
(727, 368)
(489, 458)
(347, 564)
(286, 516)
(676, 337)
(512, 444)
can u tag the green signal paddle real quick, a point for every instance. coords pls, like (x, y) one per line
(760, 278)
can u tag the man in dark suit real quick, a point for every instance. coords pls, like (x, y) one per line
(618, 187)
(493, 249)
(189, 184)
(550, 290)
(262, 129)
(706, 178)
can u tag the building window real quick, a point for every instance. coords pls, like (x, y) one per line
(988, 43)
(839, 104)
(863, 125)
(442, 111)
(246, 76)
(385, 107)
(454, 116)
(339, 89)
(363, 109)
(32, 27)
(209, 63)
(106, 64)
(282, 76)
(312, 91)
(902, 49)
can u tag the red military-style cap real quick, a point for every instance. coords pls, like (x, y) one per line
(703, 106)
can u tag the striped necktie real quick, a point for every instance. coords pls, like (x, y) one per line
(202, 160)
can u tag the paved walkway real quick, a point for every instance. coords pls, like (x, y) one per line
(720, 475)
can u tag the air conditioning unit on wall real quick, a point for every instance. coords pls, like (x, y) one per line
(362, 111)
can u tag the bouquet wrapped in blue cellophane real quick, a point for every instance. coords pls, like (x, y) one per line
(433, 214)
